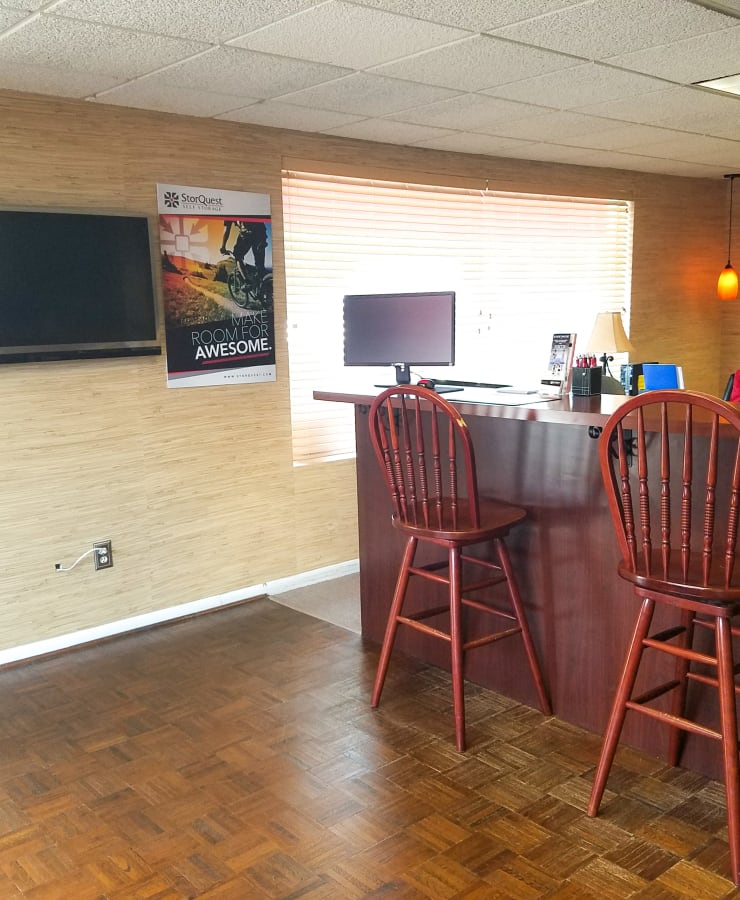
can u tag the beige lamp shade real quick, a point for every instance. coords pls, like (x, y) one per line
(608, 335)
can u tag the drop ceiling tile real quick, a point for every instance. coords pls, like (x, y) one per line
(577, 86)
(275, 114)
(680, 108)
(619, 136)
(58, 82)
(10, 17)
(696, 148)
(475, 64)
(658, 166)
(329, 33)
(610, 160)
(467, 112)
(475, 15)
(468, 142)
(245, 73)
(194, 19)
(388, 132)
(558, 126)
(694, 59)
(144, 94)
(81, 46)
(24, 6)
(603, 28)
(369, 95)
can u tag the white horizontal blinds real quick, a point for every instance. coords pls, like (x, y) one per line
(522, 267)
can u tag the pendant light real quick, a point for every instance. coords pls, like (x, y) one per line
(727, 283)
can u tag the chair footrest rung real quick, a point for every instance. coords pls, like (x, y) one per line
(675, 721)
(488, 608)
(668, 634)
(484, 583)
(657, 691)
(708, 679)
(490, 638)
(426, 629)
(425, 613)
(683, 652)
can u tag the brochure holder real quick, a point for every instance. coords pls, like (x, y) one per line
(556, 382)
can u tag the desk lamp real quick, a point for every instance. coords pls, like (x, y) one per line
(609, 337)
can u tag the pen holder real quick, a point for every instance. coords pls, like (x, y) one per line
(586, 381)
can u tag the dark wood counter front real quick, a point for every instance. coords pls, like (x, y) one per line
(542, 456)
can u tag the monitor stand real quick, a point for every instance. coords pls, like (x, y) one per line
(438, 388)
(403, 377)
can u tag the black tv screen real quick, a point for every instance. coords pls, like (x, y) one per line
(75, 285)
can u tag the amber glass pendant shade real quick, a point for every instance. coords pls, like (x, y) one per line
(727, 283)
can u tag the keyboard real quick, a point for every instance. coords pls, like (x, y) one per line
(473, 384)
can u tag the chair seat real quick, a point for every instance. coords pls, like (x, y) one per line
(426, 523)
(690, 588)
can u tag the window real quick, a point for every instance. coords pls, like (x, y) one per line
(523, 267)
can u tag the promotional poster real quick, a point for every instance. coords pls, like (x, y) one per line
(216, 257)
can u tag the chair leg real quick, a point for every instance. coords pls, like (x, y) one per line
(728, 718)
(392, 624)
(678, 735)
(456, 648)
(619, 708)
(516, 602)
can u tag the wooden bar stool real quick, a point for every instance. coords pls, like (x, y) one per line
(426, 455)
(670, 462)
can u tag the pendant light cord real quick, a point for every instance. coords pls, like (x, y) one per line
(729, 228)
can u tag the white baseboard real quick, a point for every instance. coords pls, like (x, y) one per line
(172, 613)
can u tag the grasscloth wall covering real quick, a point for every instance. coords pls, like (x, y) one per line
(196, 488)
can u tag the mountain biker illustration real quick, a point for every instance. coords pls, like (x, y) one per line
(251, 236)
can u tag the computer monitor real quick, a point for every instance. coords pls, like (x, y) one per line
(401, 330)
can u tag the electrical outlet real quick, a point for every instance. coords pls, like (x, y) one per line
(103, 556)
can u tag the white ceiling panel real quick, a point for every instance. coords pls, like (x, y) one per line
(329, 33)
(10, 17)
(696, 58)
(600, 29)
(691, 148)
(559, 126)
(23, 5)
(369, 95)
(475, 15)
(597, 82)
(145, 94)
(623, 135)
(476, 63)
(195, 19)
(246, 73)
(468, 112)
(275, 114)
(578, 86)
(483, 144)
(84, 46)
(389, 132)
(680, 108)
(57, 82)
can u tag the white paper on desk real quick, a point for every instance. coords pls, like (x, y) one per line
(488, 395)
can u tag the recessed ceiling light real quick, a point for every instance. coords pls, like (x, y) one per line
(730, 84)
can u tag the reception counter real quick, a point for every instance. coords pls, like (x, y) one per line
(542, 456)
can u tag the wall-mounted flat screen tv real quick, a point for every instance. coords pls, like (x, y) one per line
(75, 285)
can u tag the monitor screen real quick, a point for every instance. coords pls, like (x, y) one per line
(399, 330)
(75, 285)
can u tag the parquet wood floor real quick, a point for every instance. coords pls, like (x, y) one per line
(235, 756)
